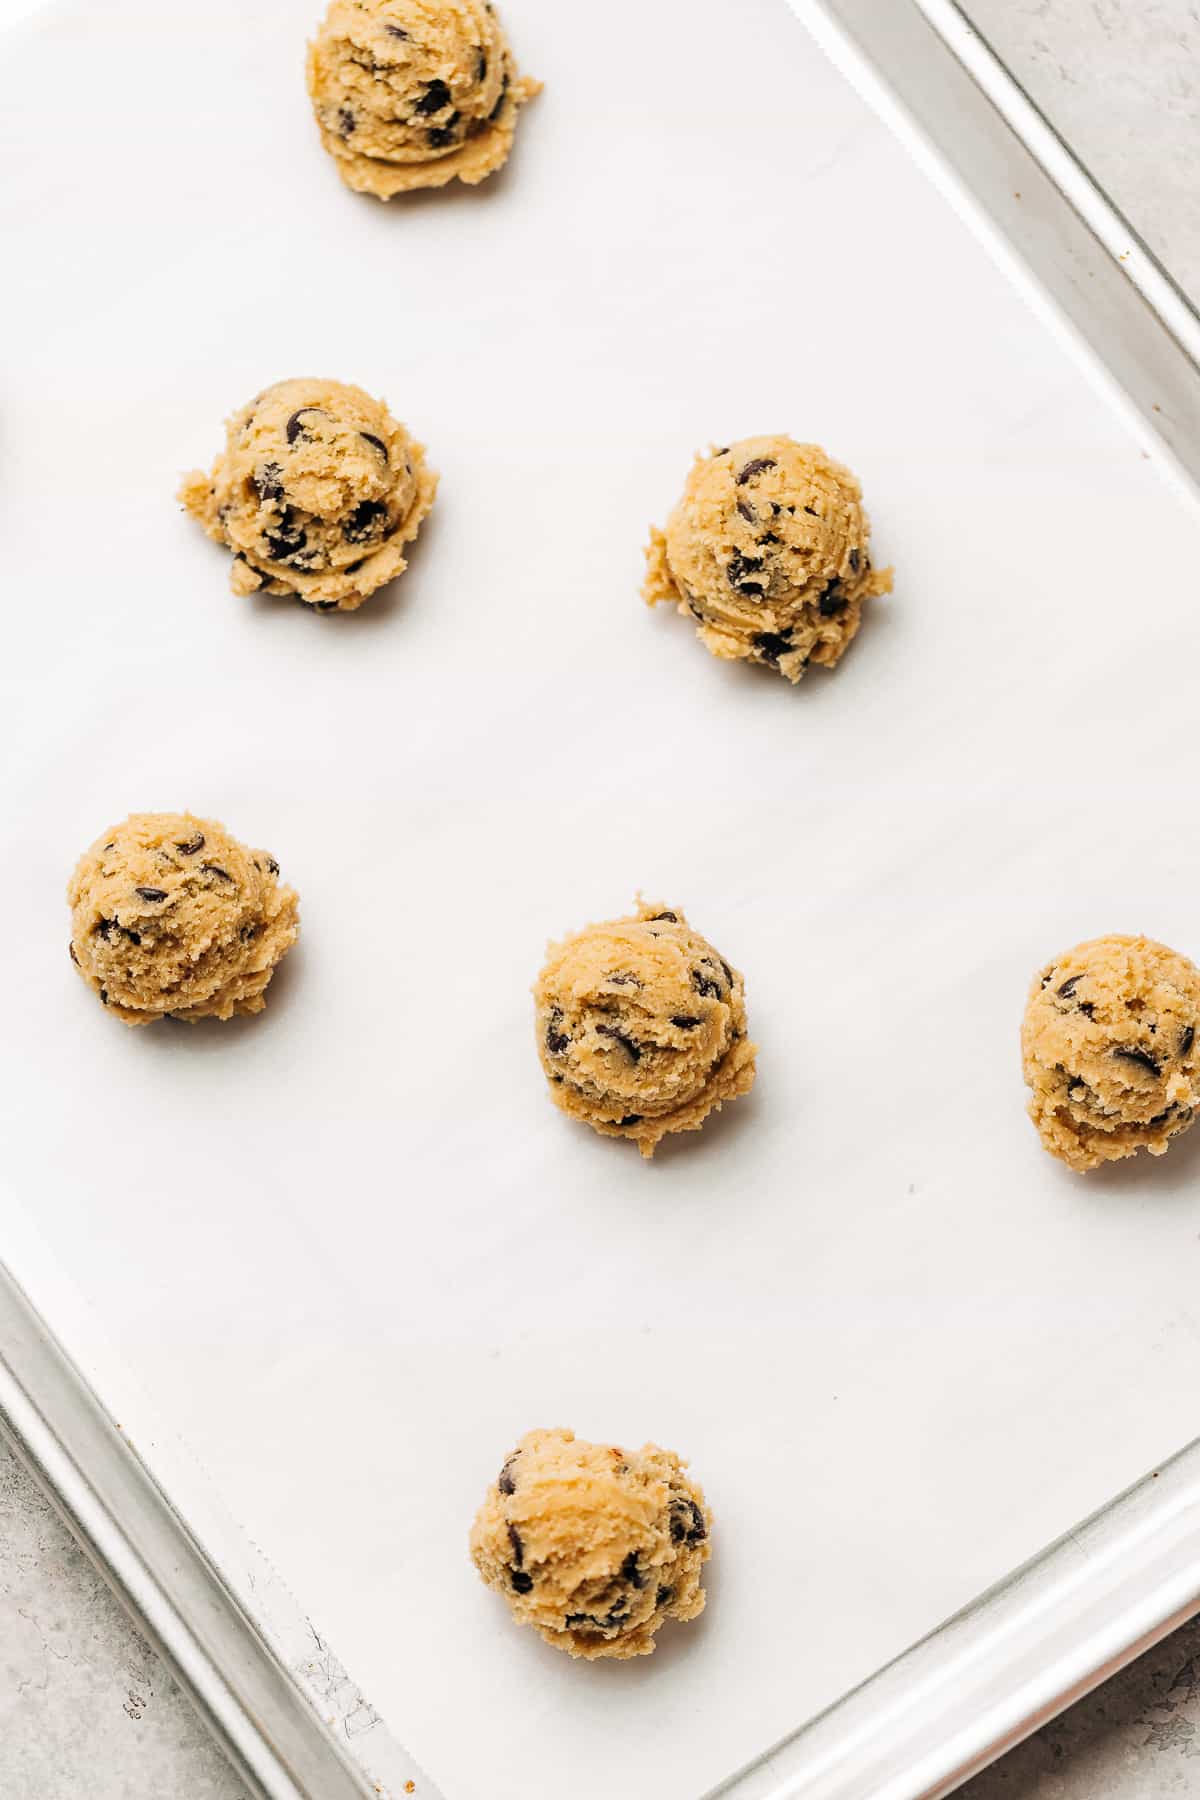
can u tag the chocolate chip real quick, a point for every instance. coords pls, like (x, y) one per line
(435, 97)
(754, 468)
(518, 1548)
(577, 1619)
(106, 927)
(522, 1583)
(556, 1041)
(190, 847)
(288, 541)
(1087, 1008)
(770, 537)
(812, 512)
(672, 918)
(773, 644)
(365, 521)
(504, 1481)
(325, 605)
(151, 894)
(727, 969)
(72, 955)
(622, 980)
(376, 443)
(1141, 1058)
(1162, 1117)
(248, 933)
(396, 31)
(217, 870)
(738, 569)
(1187, 1040)
(268, 481)
(684, 1022)
(481, 66)
(664, 1596)
(853, 560)
(705, 986)
(748, 513)
(1068, 987)
(687, 1522)
(499, 106)
(832, 602)
(627, 1044)
(294, 428)
(345, 121)
(354, 567)
(440, 136)
(104, 996)
(616, 1615)
(630, 1119)
(630, 1571)
(272, 865)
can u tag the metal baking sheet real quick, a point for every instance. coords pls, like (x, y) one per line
(902, 1350)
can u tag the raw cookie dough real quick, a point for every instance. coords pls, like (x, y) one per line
(641, 1027)
(414, 93)
(769, 550)
(592, 1545)
(170, 916)
(316, 494)
(1109, 1048)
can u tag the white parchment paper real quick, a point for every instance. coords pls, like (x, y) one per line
(351, 1247)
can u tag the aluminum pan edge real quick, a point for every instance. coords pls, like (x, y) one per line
(1042, 1638)
(252, 1702)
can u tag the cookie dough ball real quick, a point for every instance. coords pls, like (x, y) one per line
(769, 551)
(641, 1027)
(414, 93)
(172, 916)
(592, 1545)
(1110, 1052)
(317, 493)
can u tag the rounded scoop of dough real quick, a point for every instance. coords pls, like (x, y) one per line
(170, 915)
(317, 492)
(414, 93)
(592, 1545)
(1109, 1050)
(769, 551)
(641, 1027)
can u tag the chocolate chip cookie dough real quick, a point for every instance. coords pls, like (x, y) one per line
(592, 1545)
(414, 93)
(641, 1027)
(317, 492)
(171, 916)
(769, 551)
(1109, 1049)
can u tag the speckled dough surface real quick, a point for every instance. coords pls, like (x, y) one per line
(170, 915)
(317, 492)
(414, 93)
(769, 551)
(641, 1027)
(1109, 1048)
(592, 1545)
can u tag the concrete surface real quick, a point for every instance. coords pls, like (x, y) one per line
(87, 1709)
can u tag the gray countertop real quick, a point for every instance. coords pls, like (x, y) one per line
(87, 1709)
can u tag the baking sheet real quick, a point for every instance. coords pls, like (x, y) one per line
(350, 1244)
